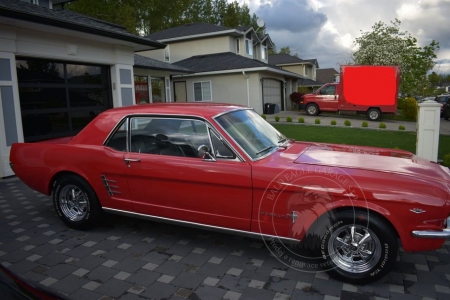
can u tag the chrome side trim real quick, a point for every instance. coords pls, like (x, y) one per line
(198, 225)
(431, 234)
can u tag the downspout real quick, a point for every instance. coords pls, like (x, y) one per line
(248, 88)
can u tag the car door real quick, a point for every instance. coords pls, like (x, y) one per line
(167, 179)
(328, 98)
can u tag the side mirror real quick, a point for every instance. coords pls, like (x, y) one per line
(204, 153)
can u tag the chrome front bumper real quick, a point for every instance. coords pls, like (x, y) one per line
(430, 234)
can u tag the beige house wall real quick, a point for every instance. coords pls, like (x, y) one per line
(185, 49)
(229, 88)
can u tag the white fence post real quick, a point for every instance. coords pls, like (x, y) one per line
(428, 122)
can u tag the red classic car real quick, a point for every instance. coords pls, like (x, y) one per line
(223, 167)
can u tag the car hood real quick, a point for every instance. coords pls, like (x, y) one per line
(368, 158)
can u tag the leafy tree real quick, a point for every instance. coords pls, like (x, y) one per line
(434, 78)
(114, 11)
(148, 16)
(285, 50)
(387, 45)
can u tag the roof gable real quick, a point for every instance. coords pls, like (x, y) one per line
(284, 59)
(187, 30)
(326, 75)
(153, 64)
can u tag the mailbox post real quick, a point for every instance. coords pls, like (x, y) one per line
(428, 123)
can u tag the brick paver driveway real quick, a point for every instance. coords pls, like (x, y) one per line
(136, 259)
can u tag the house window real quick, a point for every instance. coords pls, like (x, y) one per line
(166, 54)
(248, 44)
(141, 94)
(306, 70)
(202, 91)
(264, 51)
(237, 46)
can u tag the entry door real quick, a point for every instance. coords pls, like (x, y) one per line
(166, 178)
(180, 91)
(273, 94)
(328, 98)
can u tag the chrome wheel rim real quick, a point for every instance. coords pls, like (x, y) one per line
(373, 115)
(354, 248)
(73, 202)
(311, 109)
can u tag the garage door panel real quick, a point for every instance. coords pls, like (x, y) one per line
(272, 93)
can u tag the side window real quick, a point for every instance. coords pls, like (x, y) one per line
(168, 136)
(329, 90)
(221, 151)
(119, 139)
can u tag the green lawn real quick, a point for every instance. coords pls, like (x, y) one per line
(354, 136)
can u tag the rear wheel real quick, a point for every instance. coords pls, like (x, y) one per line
(76, 202)
(312, 109)
(374, 114)
(357, 248)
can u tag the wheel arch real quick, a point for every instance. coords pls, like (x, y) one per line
(61, 174)
(354, 209)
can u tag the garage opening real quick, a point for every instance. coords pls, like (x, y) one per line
(272, 93)
(59, 98)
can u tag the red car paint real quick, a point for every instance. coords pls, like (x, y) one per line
(243, 195)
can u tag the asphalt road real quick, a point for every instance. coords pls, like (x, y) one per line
(127, 258)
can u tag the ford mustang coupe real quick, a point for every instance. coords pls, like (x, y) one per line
(223, 167)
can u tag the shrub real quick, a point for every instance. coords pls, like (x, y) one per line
(365, 124)
(301, 120)
(409, 108)
(288, 119)
(296, 97)
(400, 103)
(347, 123)
(263, 116)
(382, 125)
(317, 121)
(333, 122)
(401, 127)
(446, 161)
(277, 118)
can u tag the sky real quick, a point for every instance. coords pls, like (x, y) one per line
(326, 29)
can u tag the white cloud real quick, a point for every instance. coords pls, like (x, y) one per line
(326, 29)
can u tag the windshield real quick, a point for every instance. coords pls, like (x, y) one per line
(255, 136)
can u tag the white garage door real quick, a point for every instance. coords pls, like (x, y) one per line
(272, 93)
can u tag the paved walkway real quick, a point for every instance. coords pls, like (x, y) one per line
(325, 119)
(127, 258)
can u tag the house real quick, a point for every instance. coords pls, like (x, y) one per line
(305, 67)
(58, 69)
(230, 65)
(327, 75)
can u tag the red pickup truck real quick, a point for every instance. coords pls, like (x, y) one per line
(370, 90)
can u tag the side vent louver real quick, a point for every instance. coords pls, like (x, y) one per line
(110, 187)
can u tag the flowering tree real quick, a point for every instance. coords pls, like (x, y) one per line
(387, 45)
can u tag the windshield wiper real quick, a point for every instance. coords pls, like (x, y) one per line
(265, 149)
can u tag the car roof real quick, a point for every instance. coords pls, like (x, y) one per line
(206, 110)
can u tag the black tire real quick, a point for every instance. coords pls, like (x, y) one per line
(75, 202)
(312, 109)
(366, 262)
(373, 114)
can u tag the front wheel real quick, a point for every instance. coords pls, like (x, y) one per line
(374, 114)
(312, 109)
(357, 248)
(76, 202)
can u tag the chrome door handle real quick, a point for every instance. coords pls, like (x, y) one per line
(128, 160)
